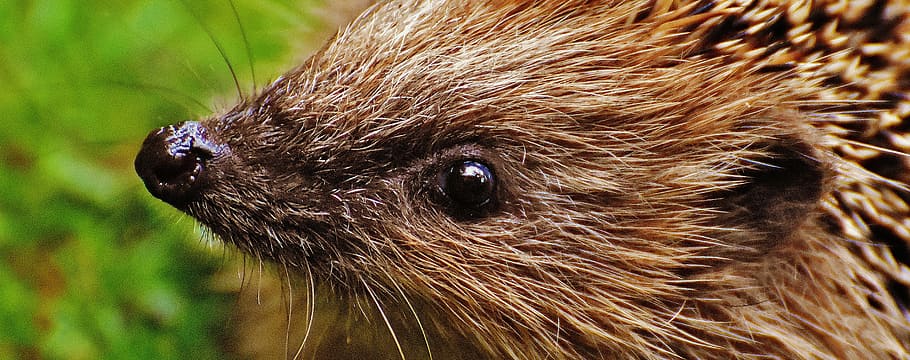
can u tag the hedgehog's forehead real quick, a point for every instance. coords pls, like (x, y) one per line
(400, 38)
(448, 71)
(438, 56)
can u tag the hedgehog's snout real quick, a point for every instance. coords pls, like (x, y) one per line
(172, 161)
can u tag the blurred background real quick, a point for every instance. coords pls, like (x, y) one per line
(92, 266)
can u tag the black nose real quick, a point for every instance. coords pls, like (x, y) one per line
(172, 161)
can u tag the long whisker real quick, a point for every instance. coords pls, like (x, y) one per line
(385, 318)
(259, 286)
(426, 340)
(289, 309)
(161, 89)
(310, 308)
(217, 44)
(242, 274)
(246, 43)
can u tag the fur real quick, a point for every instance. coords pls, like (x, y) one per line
(674, 179)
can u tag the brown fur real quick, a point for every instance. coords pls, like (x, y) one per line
(674, 179)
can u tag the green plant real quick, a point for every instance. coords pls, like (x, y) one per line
(92, 266)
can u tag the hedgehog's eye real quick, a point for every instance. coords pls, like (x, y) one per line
(468, 185)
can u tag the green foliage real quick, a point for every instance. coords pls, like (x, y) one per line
(92, 266)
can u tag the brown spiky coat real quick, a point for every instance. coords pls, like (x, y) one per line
(712, 179)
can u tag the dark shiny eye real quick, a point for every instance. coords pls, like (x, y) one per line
(468, 184)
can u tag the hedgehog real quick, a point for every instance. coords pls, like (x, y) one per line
(583, 179)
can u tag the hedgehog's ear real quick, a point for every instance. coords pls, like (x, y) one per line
(782, 190)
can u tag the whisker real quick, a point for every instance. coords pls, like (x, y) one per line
(259, 286)
(426, 340)
(310, 309)
(289, 300)
(134, 85)
(385, 318)
(242, 274)
(246, 43)
(217, 44)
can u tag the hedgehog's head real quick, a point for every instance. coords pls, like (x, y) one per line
(543, 174)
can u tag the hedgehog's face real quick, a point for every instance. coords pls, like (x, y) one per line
(517, 179)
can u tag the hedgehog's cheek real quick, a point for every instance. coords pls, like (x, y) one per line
(782, 192)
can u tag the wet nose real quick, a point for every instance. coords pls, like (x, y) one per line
(172, 161)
